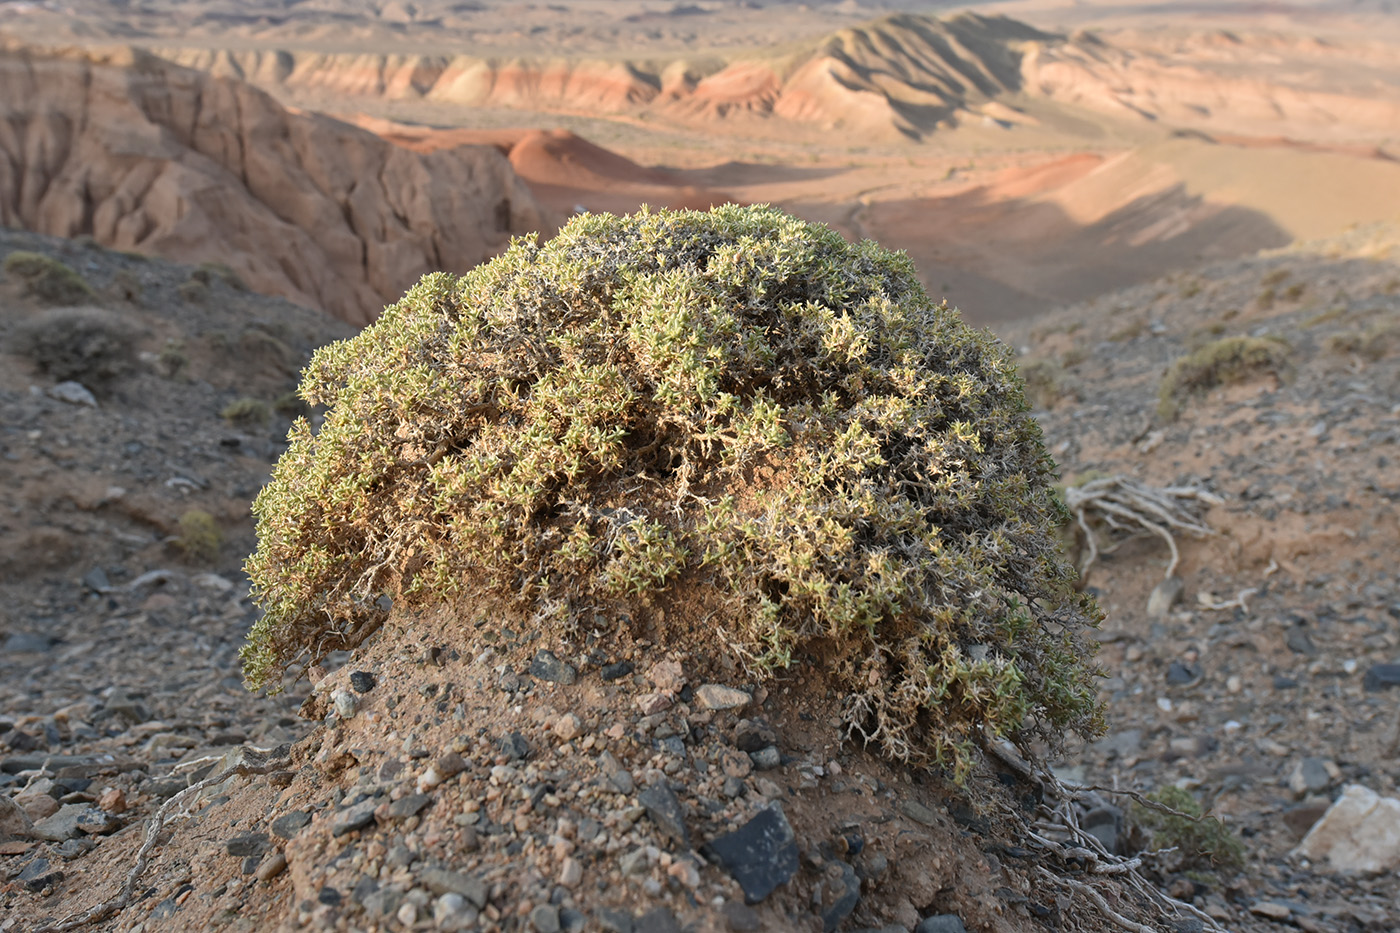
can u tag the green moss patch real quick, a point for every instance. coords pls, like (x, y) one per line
(735, 410)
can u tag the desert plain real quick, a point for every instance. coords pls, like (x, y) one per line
(1112, 188)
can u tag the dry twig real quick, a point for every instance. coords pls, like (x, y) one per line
(1121, 502)
(250, 761)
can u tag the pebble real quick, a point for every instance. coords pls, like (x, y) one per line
(272, 867)
(667, 676)
(289, 824)
(1381, 677)
(545, 918)
(568, 727)
(652, 703)
(849, 886)
(74, 393)
(617, 671)
(941, 923)
(570, 872)
(666, 812)
(918, 812)
(354, 817)
(1164, 596)
(720, 697)
(248, 844)
(363, 681)
(767, 758)
(1270, 910)
(546, 666)
(442, 881)
(750, 735)
(1311, 775)
(761, 854)
(345, 704)
(1179, 674)
(14, 821)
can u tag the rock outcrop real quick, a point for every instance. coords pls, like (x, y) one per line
(146, 155)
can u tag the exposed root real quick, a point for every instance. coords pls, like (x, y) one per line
(1120, 502)
(250, 761)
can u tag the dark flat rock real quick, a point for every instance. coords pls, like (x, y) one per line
(760, 855)
(546, 666)
(289, 824)
(666, 812)
(1382, 677)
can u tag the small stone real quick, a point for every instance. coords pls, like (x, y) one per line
(248, 844)
(1381, 677)
(96, 580)
(26, 643)
(74, 393)
(750, 735)
(1310, 776)
(767, 758)
(1164, 596)
(1359, 833)
(113, 800)
(1179, 674)
(65, 823)
(362, 681)
(568, 727)
(545, 918)
(740, 917)
(1271, 910)
(612, 920)
(665, 811)
(849, 886)
(546, 666)
(652, 703)
(37, 806)
(941, 923)
(667, 676)
(408, 805)
(289, 824)
(571, 872)
(354, 817)
(761, 854)
(657, 920)
(442, 881)
(330, 896)
(718, 696)
(918, 812)
(1104, 824)
(616, 671)
(514, 746)
(735, 764)
(345, 704)
(407, 913)
(14, 822)
(1299, 642)
(96, 822)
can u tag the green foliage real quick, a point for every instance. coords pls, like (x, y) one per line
(200, 537)
(1221, 362)
(1202, 842)
(247, 412)
(90, 345)
(735, 410)
(48, 279)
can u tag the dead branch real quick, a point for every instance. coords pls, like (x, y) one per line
(1120, 502)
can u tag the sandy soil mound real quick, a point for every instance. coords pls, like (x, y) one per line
(144, 155)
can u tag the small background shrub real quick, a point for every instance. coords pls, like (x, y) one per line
(48, 279)
(1203, 844)
(200, 537)
(247, 412)
(733, 412)
(89, 345)
(1232, 359)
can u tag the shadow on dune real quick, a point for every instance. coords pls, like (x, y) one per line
(1011, 260)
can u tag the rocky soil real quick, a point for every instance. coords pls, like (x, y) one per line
(455, 774)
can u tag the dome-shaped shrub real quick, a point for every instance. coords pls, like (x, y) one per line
(735, 410)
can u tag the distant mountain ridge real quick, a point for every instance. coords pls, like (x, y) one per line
(904, 76)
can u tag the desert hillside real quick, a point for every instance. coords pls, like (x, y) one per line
(1183, 220)
(146, 156)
